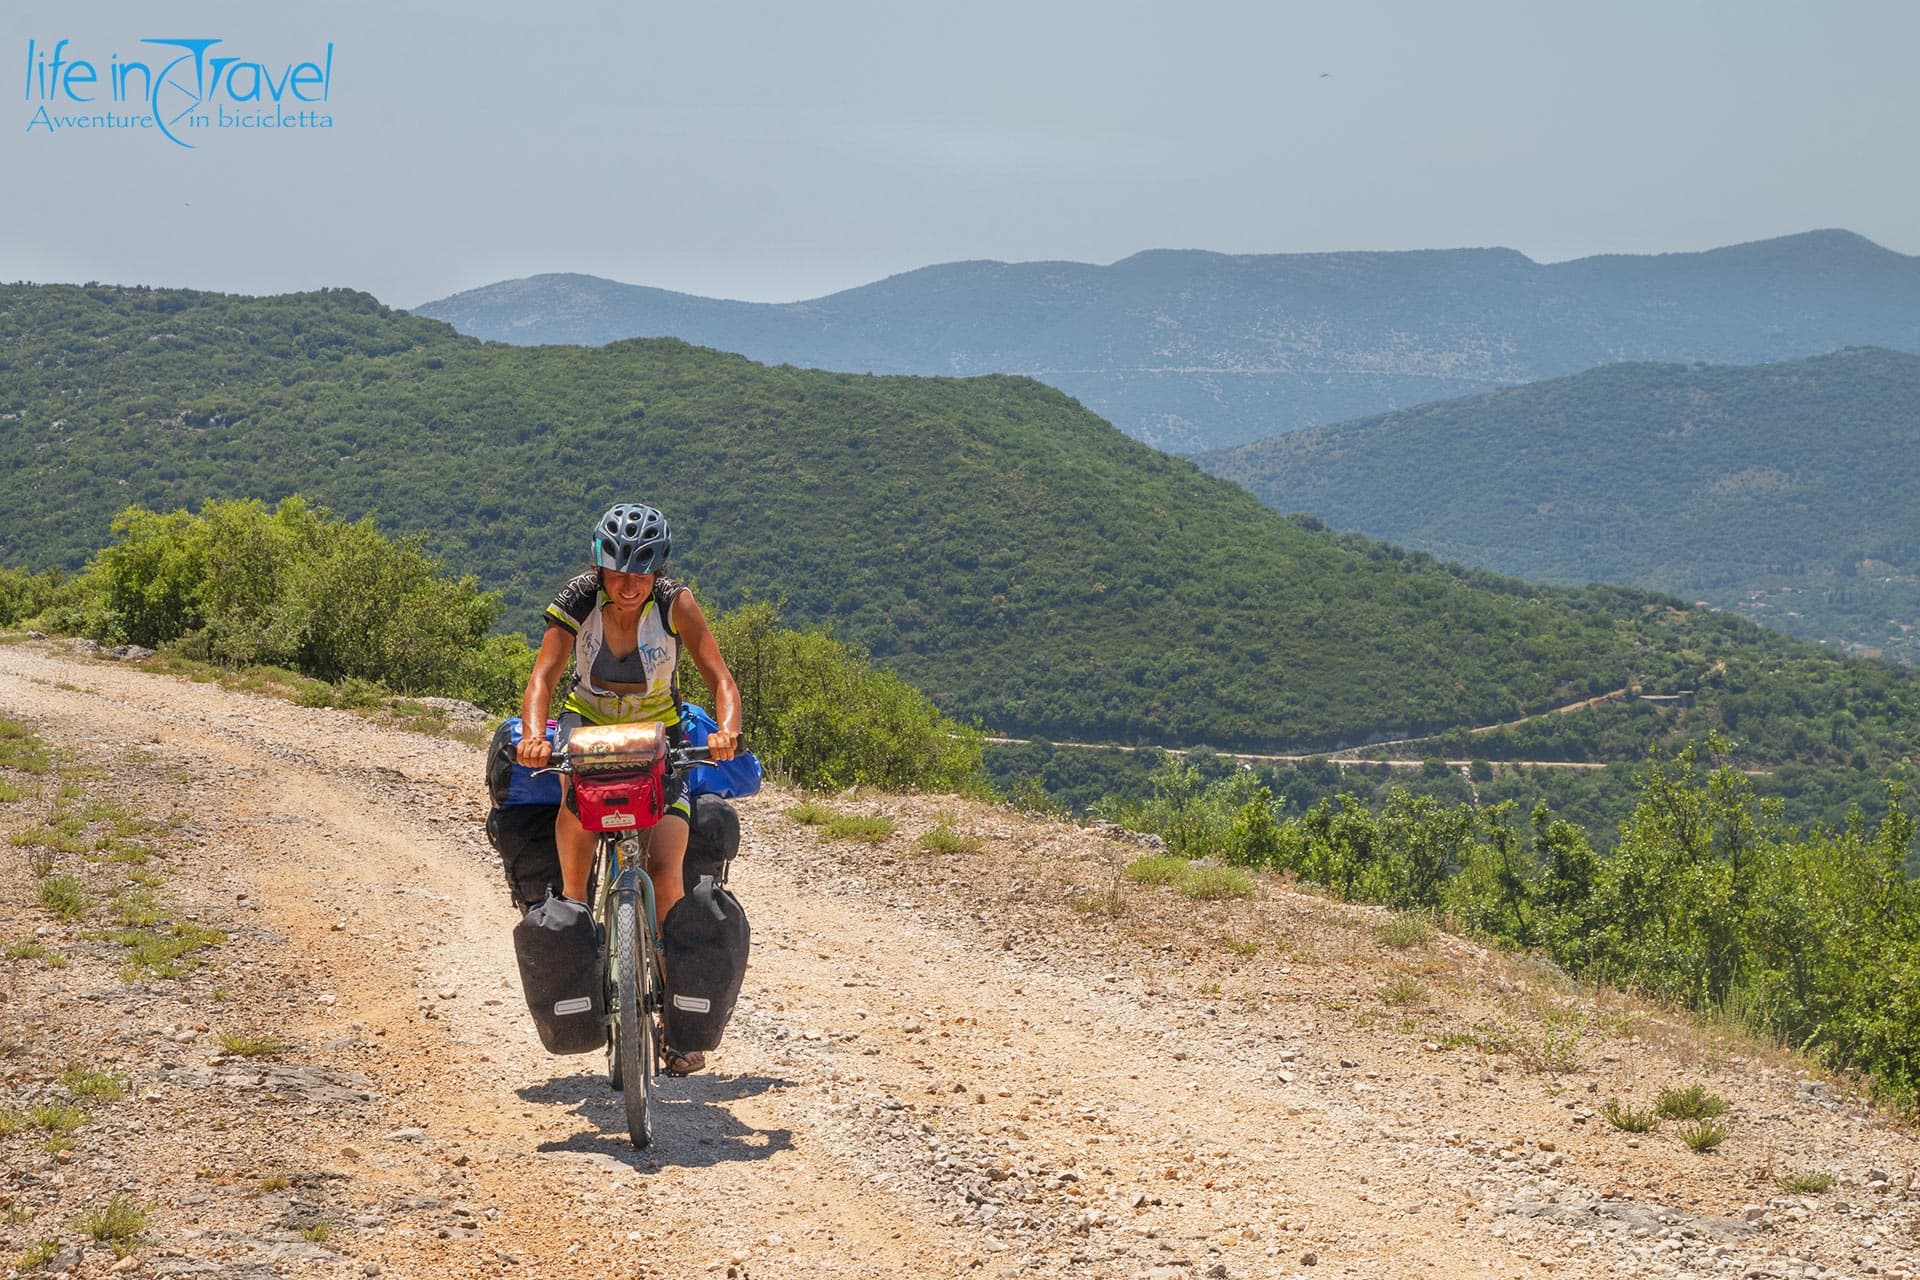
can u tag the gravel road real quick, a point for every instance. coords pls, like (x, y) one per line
(1006, 1061)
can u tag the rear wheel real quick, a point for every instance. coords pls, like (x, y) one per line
(633, 1054)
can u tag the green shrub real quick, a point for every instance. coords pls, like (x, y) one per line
(810, 813)
(239, 585)
(820, 712)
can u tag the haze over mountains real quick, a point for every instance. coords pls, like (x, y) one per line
(1190, 351)
(1788, 492)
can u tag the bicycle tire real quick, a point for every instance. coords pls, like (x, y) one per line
(633, 1023)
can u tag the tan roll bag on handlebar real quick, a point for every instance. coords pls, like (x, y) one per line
(609, 748)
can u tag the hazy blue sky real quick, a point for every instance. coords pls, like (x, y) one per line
(783, 150)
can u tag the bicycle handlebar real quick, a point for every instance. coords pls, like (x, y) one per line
(678, 759)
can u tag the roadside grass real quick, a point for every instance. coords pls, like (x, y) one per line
(1628, 1118)
(242, 1045)
(1211, 884)
(20, 748)
(318, 1232)
(843, 826)
(33, 949)
(120, 1223)
(1808, 1182)
(1203, 884)
(93, 1085)
(39, 1254)
(171, 952)
(1703, 1136)
(1241, 946)
(61, 833)
(810, 813)
(362, 697)
(1691, 1103)
(1160, 869)
(944, 839)
(65, 897)
(1403, 993)
(58, 1117)
(1404, 932)
(1556, 1048)
(1488, 1037)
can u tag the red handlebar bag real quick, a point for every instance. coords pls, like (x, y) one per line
(620, 775)
(621, 801)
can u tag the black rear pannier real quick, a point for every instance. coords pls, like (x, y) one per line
(704, 941)
(523, 837)
(713, 839)
(560, 972)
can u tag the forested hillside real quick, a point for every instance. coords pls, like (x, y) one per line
(1789, 493)
(1190, 351)
(989, 540)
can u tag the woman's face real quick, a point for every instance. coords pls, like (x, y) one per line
(626, 589)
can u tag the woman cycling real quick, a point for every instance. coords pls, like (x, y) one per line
(624, 625)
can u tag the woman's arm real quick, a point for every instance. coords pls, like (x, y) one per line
(690, 624)
(535, 751)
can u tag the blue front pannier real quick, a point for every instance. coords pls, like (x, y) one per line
(511, 783)
(737, 777)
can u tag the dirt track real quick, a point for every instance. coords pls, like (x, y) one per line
(943, 1065)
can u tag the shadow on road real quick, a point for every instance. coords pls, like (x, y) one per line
(693, 1126)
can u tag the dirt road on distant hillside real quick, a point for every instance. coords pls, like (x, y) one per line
(1005, 1062)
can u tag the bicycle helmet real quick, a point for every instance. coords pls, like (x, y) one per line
(631, 538)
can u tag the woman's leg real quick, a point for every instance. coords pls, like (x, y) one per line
(665, 860)
(575, 846)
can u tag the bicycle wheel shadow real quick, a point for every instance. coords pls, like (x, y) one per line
(693, 1125)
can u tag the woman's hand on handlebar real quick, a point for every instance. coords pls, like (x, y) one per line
(534, 753)
(721, 745)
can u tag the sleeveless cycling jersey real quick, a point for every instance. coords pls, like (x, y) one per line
(641, 684)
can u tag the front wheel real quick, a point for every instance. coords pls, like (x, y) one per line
(632, 948)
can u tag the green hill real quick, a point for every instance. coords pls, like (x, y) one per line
(1789, 493)
(988, 539)
(1189, 350)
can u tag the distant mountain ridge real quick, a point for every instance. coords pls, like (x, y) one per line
(1787, 492)
(986, 539)
(1189, 350)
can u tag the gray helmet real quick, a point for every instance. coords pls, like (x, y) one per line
(631, 538)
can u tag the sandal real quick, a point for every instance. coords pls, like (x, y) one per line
(682, 1064)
